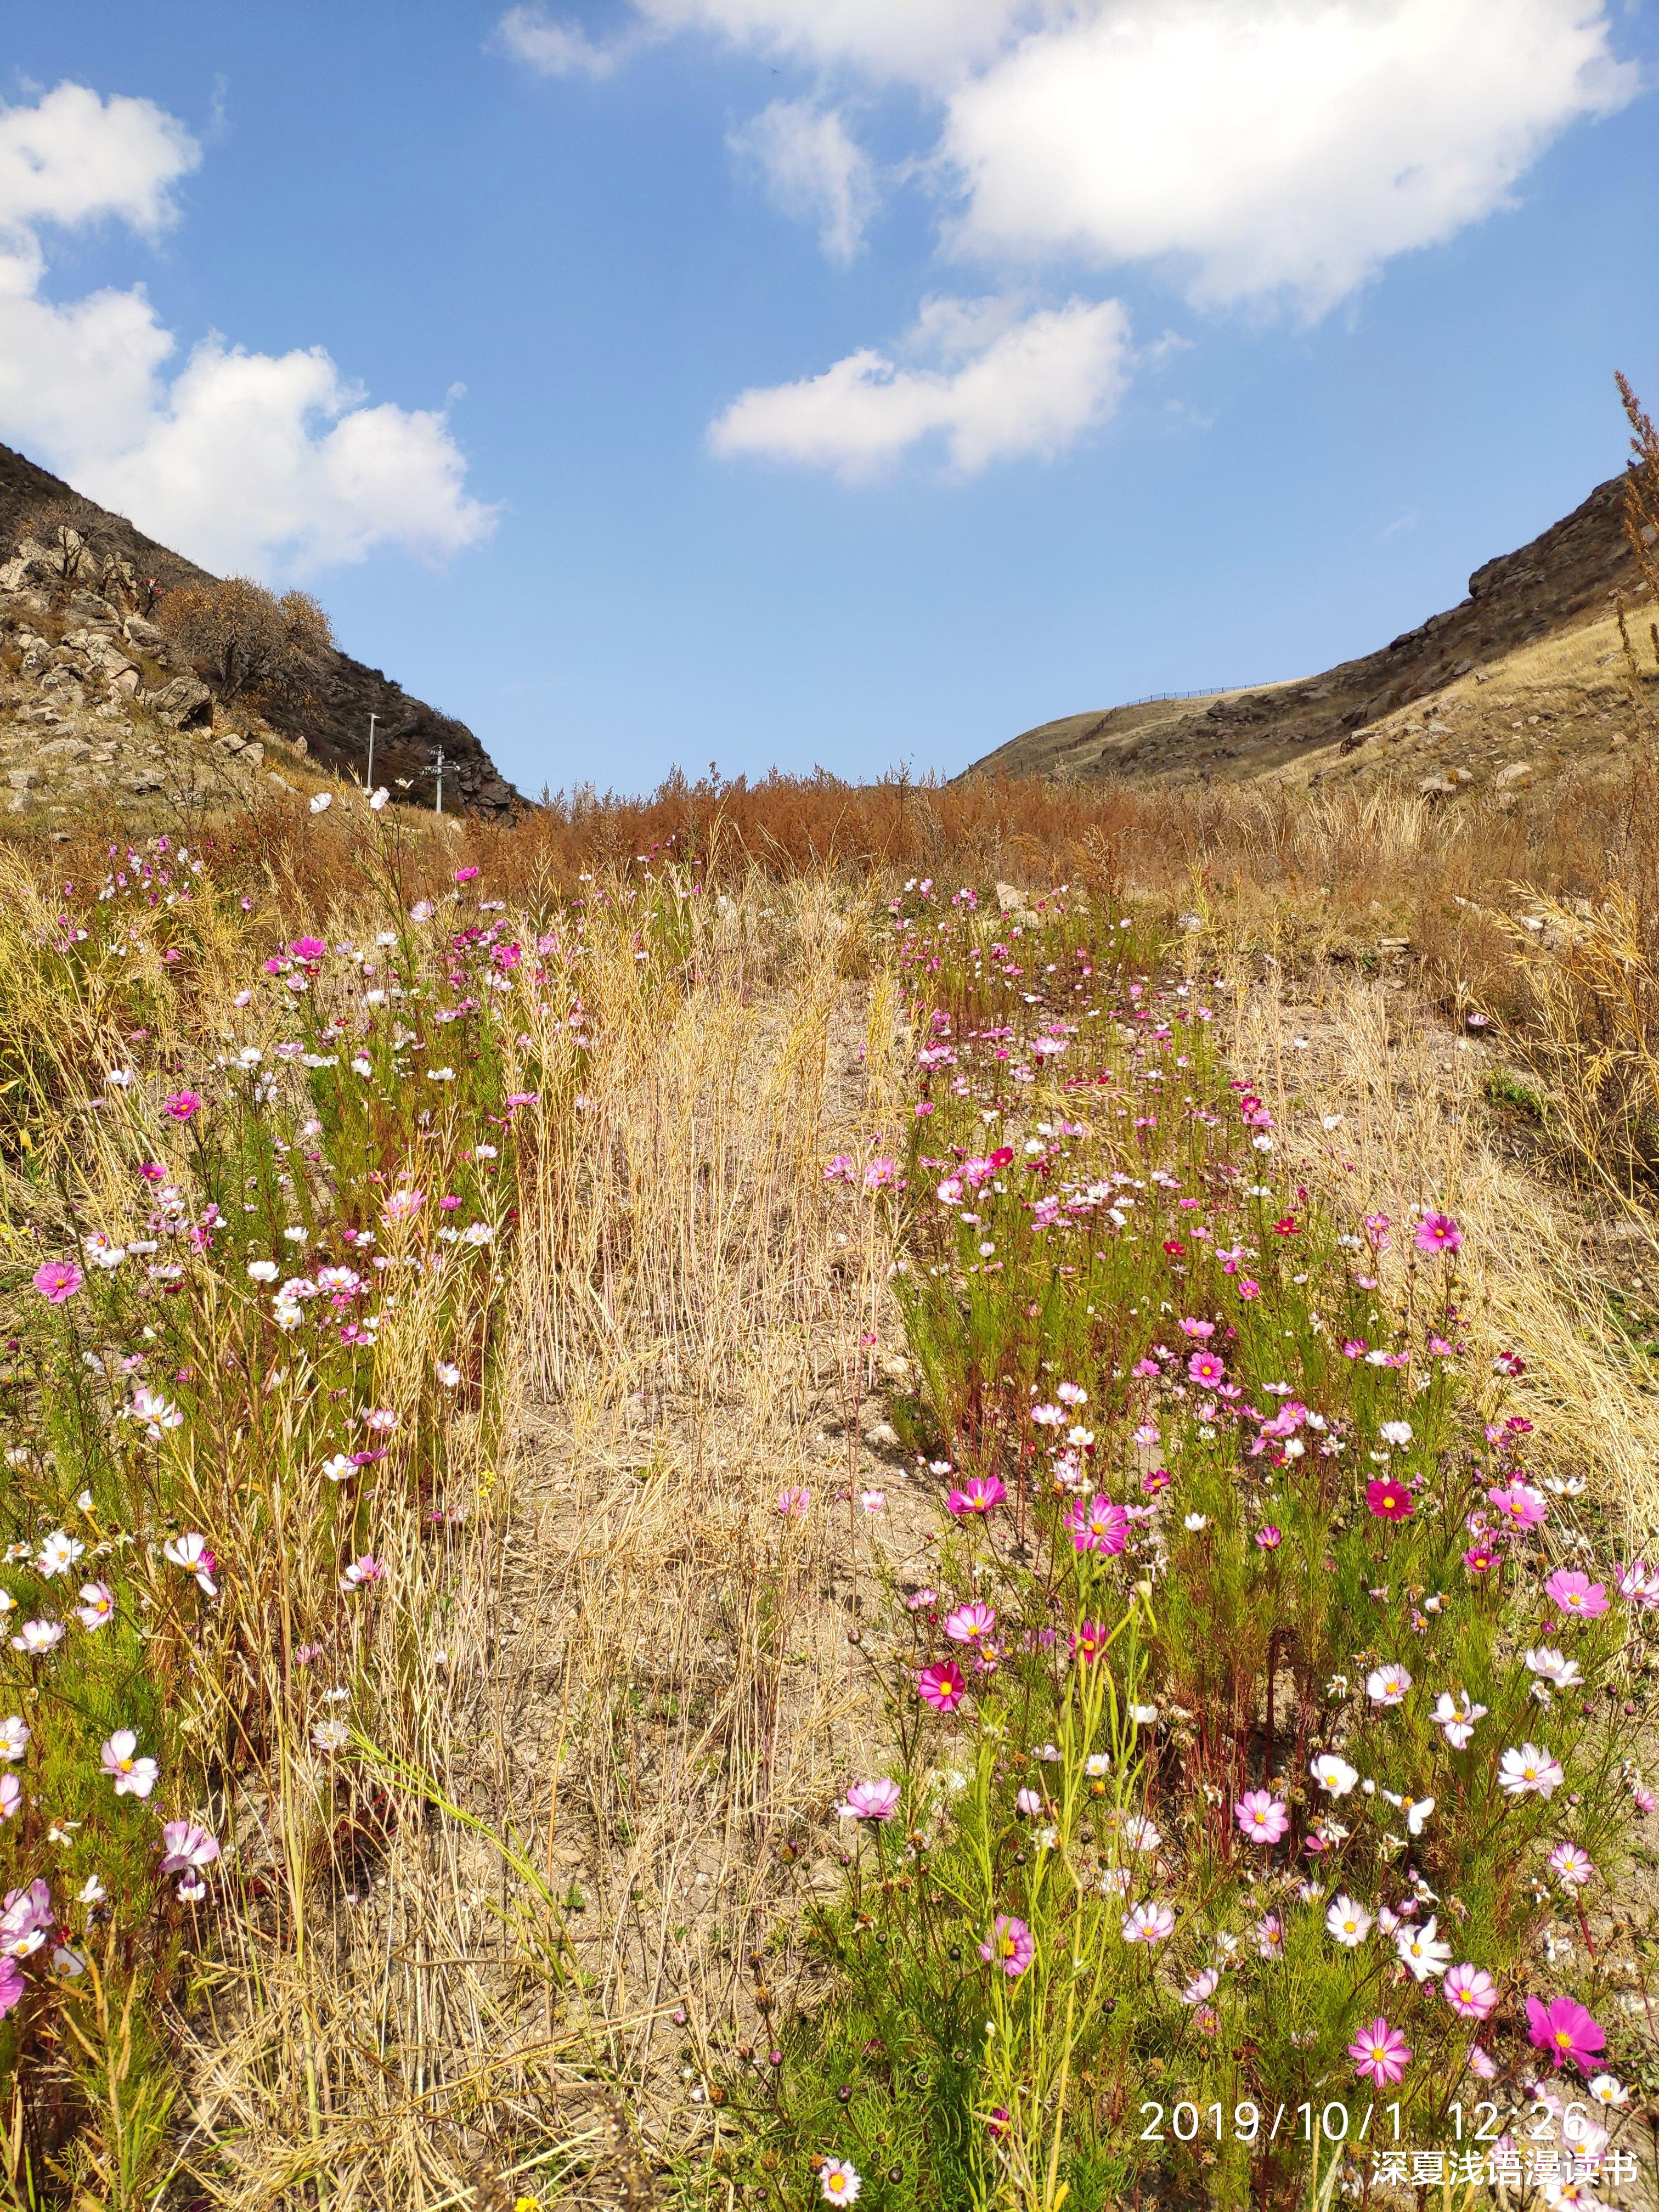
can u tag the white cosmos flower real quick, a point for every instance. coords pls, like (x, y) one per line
(1554, 1665)
(1386, 1685)
(377, 799)
(337, 1468)
(1421, 1950)
(58, 1554)
(1347, 1922)
(1333, 1775)
(1455, 1718)
(13, 1737)
(263, 1271)
(1530, 1769)
(1416, 1810)
(321, 801)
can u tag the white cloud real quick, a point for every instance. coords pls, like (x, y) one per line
(1002, 384)
(73, 159)
(925, 41)
(815, 170)
(1291, 147)
(531, 36)
(274, 464)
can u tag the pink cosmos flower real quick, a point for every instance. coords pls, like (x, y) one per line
(186, 1845)
(363, 1572)
(1390, 1501)
(1159, 1479)
(58, 1280)
(1269, 1538)
(1438, 1232)
(1521, 1506)
(465, 875)
(97, 1606)
(11, 1797)
(1149, 1921)
(978, 1495)
(1207, 1369)
(133, 1777)
(1202, 1330)
(794, 1502)
(401, 1204)
(970, 1622)
(1009, 1945)
(1099, 1525)
(1262, 1816)
(1029, 1801)
(1571, 1865)
(1482, 2064)
(1566, 2030)
(1380, 2054)
(1640, 1584)
(1479, 1557)
(181, 1104)
(1471, 1992)
(838, 2181)
(1577, 1596)
(870, 1801)
(941, 1685)
(12, 1984)
(308, 948)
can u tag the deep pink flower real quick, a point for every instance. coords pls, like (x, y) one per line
(1438, 1232)
(1380, 2054)
(1206, 1369)
(1159, 1479)
(1009, 1945)
(1262, 1816)
(1479, 1557)
(1471, 1992)
(1269, 1538)
(58, 1280)
(181, 1104)
(978, 1495)
(1566, 2030)
(941, 1685)
(1577, 1596)
(1390, 1501)
(308, 948)
(464, 875)
(1089, 1640)
(12, 1984)
(1521, 1506)
(1099, 1525)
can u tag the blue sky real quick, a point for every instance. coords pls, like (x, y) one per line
(850, 382)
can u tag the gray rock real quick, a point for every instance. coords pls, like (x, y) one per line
(145, 635)
(24, 779)
(183, 704)
(88, 611)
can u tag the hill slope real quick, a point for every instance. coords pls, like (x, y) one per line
(334, 721)
(1551, 598)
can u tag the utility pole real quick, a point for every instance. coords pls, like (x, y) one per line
(439, 764)
(369, 785)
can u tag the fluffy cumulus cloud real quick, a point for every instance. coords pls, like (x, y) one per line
(814, 170)
(242, 460)
(1259, 152)
(982, 380)
(1286, 148)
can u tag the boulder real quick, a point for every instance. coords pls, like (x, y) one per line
(183, 704)
(88, 611)
(1517, 776)
(145, 635)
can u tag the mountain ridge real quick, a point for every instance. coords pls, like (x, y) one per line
(333, 719)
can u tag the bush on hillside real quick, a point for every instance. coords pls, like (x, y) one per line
(242, 639)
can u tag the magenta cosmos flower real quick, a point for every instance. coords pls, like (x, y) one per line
(1471, 1992)
(1206, 1369)
(1009, 1945)
(58, 1280)
(180, 1105)
(1566, 2030)
(1262, 1816)
(1380, 2054)
(1099, 1525)
(1389, 1501)
(942, 1687)
(1438, 1232)
(978, 1495)
(1577, 1596)
(794, 1501)
(870, 1801)
(1521, 1506)
(1088, 1639)
(1269, 1538)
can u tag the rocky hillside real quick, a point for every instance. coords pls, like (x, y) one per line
(1524, 608)
(89, 690)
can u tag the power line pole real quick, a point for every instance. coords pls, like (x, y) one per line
(440, 766)
(370, 784)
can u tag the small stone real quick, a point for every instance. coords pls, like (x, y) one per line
(1516, 775)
